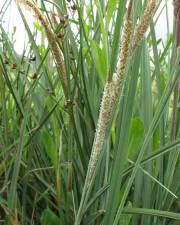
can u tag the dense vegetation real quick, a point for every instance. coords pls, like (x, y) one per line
(89, 118)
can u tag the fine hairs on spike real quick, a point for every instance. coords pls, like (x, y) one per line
(112, 88)
(110, 95)
(51, 39)
(144, 22)
(104, 117)
(124, 53)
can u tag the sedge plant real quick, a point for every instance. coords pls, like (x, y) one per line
(89, 114)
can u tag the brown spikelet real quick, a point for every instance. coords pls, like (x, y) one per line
(54, 20)
(176, 4)
(144, 23)
(15, 220)
(51, 39)
(70, 176)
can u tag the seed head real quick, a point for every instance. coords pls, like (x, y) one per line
(104, 118)
(144, 23)
(124, 53)
(176, 4)
(51, 39)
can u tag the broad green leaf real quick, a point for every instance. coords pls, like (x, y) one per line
(136, 135)
(49, 218)
(156, 138)
(110, 9)
(125, 220)
(50, 147)
(99, 60)
(104, 35)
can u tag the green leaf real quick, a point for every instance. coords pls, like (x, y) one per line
(136, 135)
(99, 60)
(38, 26)
(156, 138)
(110, 9)
(152, 212)
(104, 34)
(50, 147)
(125, 220)
(48, 218)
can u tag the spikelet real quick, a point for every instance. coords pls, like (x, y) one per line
(176, 4)
(54, 20)
(144, 23)
(110, 95)
(104, 117)
(124, 53)
(51, 39)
